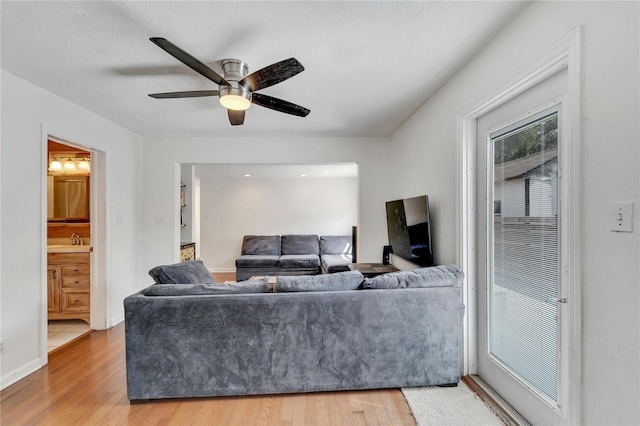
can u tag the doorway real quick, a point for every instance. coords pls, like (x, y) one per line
(546, 91)
(522, 293)
(73, 242)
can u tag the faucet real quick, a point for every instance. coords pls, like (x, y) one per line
(75, 239)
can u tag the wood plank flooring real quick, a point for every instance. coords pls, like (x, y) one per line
(85, 384)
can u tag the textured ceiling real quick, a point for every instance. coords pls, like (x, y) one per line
(368, 65)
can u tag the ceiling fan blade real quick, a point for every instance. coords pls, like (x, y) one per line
(272, 74)
(279, 105)
(189, 60)
(236, 118)
(188, 94)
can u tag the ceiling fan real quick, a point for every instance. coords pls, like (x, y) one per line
(237, 89)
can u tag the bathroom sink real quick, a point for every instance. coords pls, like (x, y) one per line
(67, 248)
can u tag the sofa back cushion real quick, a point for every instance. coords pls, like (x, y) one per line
(335, 244)
(266, 245)
(434, 276)
(251, 286)
(192, 271)
(300, 244)
(340, 281)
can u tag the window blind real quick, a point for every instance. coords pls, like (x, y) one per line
(524, 252)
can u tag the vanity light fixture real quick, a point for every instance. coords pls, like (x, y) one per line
(84, 164)
(69, 164)
(55, 165)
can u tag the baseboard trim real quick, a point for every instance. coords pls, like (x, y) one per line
(222, 270)
(496, 403)
(20, 373)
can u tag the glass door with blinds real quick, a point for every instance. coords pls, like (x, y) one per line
(523, 285)
(522, 316)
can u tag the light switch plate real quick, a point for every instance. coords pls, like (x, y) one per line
(620, 217)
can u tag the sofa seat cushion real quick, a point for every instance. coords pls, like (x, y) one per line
(252, 286)
(300, 244)
(433, 276)
(335, 262)
(190, 272)
(335, 244)
(342, 281)
(261, 245)
(299, 261)
(257, 261)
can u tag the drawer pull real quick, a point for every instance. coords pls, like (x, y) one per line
(77, 282)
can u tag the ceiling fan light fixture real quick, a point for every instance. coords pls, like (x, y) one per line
(235, 98)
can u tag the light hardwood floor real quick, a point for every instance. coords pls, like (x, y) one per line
(85, 384)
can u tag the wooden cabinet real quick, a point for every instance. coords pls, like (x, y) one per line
(69, 285)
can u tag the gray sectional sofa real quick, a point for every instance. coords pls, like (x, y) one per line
(302, 334)
(293, 254)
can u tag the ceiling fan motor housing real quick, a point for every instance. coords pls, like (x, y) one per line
(234, 71)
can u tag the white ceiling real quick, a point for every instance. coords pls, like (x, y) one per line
(276, 171)
(368, 65)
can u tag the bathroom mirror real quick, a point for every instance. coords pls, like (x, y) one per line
(68, 198)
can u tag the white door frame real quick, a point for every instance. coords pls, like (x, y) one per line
(99, 317)
(564, 54)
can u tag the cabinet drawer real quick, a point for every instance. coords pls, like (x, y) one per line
(74, 300)
(76, 270)
(68, 258)
(77, 281)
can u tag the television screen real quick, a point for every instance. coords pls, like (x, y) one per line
(409, 229)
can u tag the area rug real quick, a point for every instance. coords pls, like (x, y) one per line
(433, 405)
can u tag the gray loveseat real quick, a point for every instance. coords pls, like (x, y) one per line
(303, 334)
(293, 254)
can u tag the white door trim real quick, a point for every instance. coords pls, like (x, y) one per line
(564, 54)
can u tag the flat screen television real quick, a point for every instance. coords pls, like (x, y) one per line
(409, 229)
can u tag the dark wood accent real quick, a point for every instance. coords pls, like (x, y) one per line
(372, 269)
(85, 384)
(497, 409)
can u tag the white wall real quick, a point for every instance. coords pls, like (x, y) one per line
(234, 207)
(426, 163)
(26, 109)
(161, 172)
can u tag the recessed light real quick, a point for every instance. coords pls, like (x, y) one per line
(246, 175)
(303, 175)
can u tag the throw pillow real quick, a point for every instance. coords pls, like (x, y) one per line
(341, 281)
(189, 272)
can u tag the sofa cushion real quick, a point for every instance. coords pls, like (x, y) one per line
(299, 261)
(341, 281)
(434, 276)
(335, 262)
(266, 245)
(252, 286)
(192, 271)
(300, 244)
(256, 261)
(335, 244)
